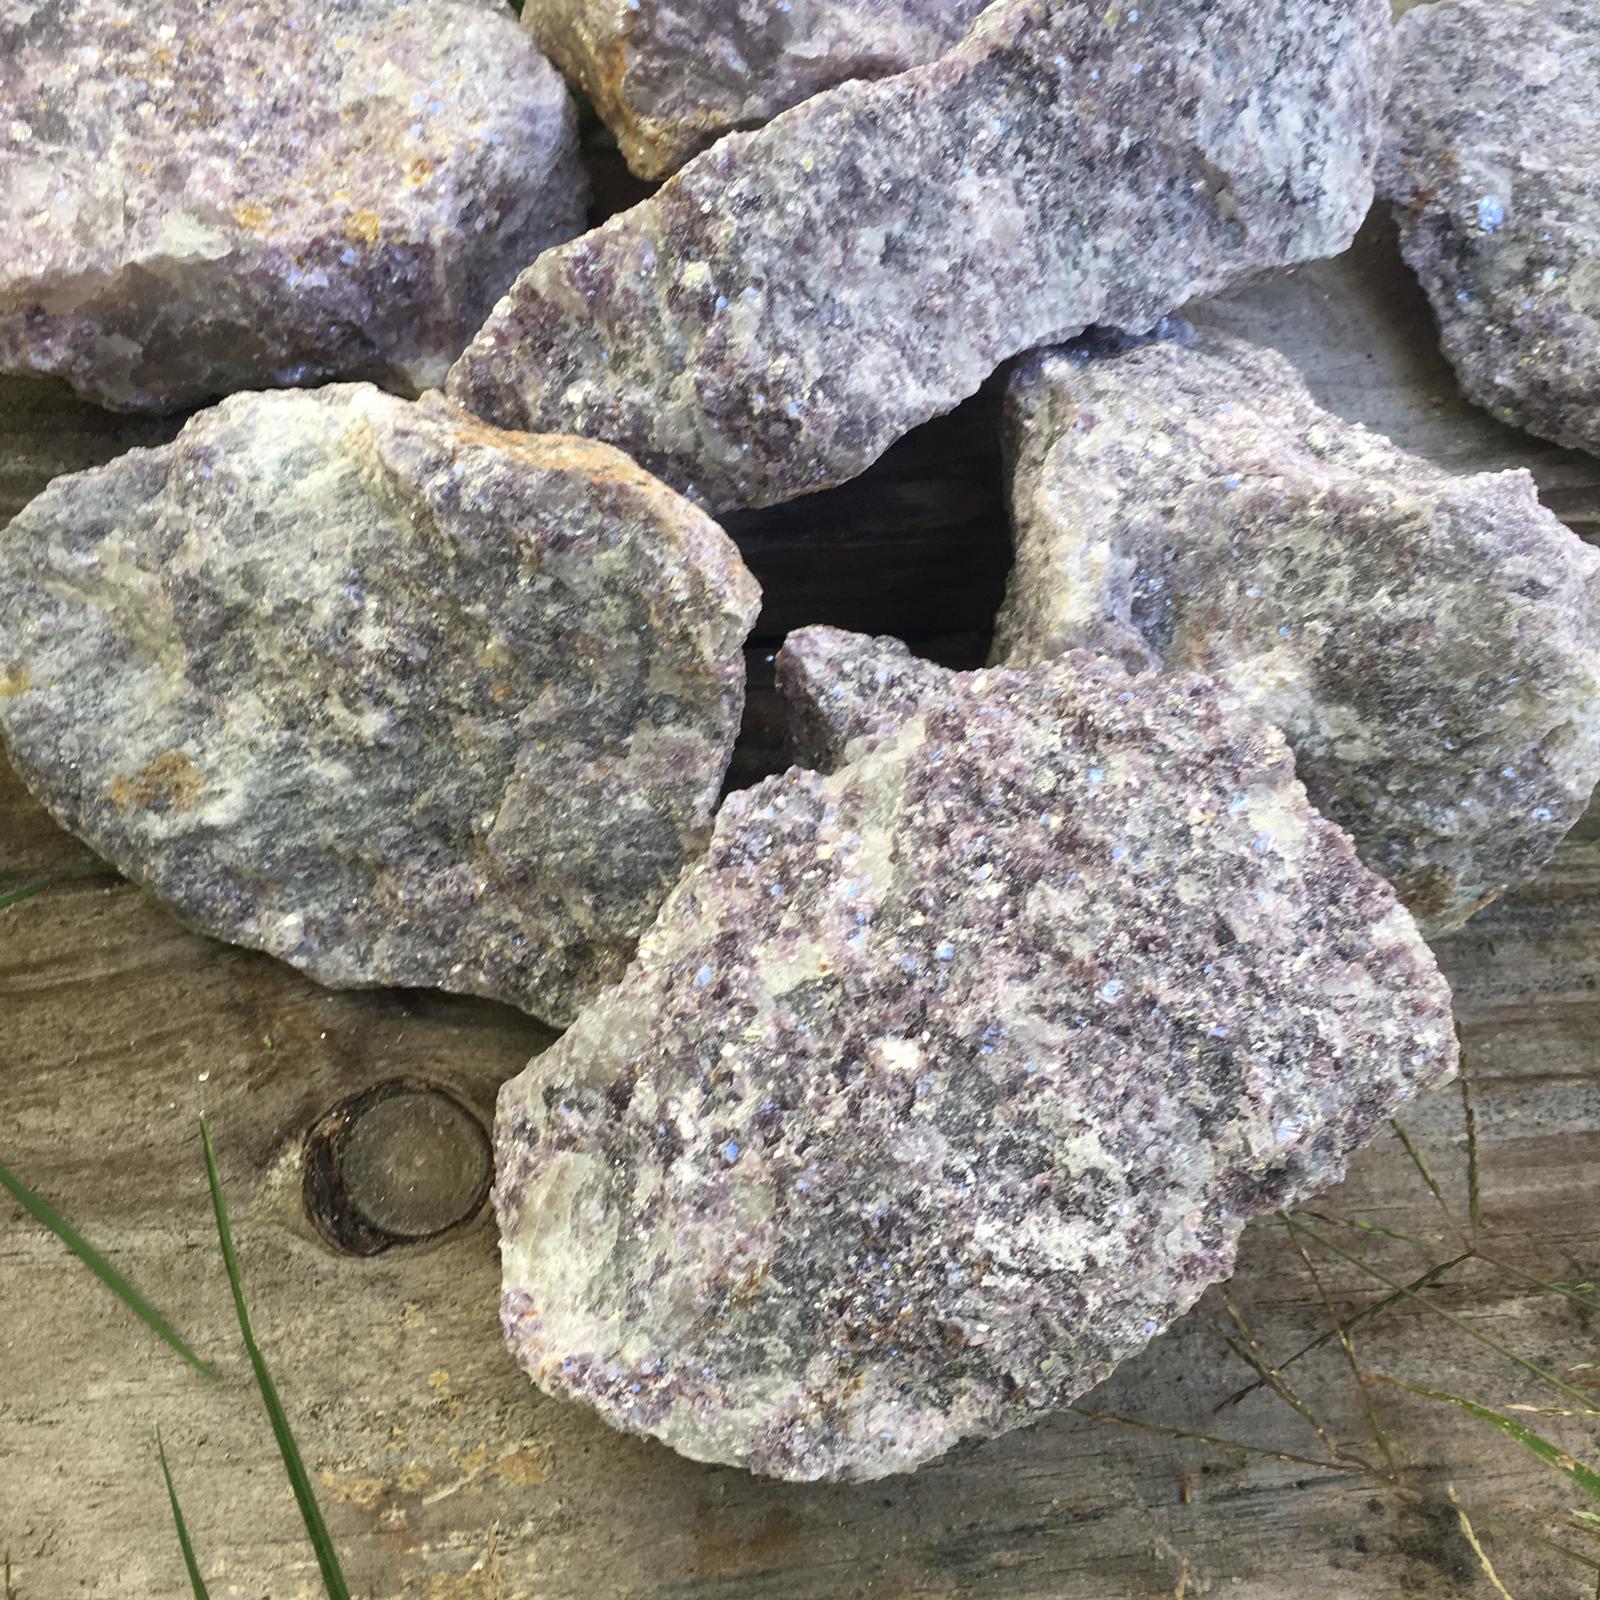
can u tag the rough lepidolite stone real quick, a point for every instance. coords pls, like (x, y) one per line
(1429, 644)
(944, 1082)
(1490, 162)
(671, 77)
(796, 299)
(390, 694)
(202, 197)
(837, 687)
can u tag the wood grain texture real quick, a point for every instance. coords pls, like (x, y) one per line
(444, 1474)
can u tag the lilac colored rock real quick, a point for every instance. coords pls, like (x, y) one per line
(384, 692)
(1490, 159)
(796, 299)
(945, 1082)
(203, 198)
(669, 77)
(838, 687)
(1429, 644)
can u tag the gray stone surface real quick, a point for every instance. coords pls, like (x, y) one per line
(199, 198)
(387, 693)
(945, 1082)
(1490, 164)
(797, 298)
(1429, 644)
(671, 76)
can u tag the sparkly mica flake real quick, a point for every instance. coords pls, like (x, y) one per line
(1492, 151)
(389, 694)
(671, 77)
(200, 197)
(798, 298)
(943, 1083)
(1430, 645)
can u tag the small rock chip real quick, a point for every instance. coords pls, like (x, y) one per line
(797, 298)
(1492, 149)
(199, 198)
(391, 695)
(669, 78)
(838, 687)
(945, 1082)
(1430, 645)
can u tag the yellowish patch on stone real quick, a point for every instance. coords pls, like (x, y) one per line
(252, 215)
(501, 691)
(525, 1466)
(363, 227)
(418, 170)
(368, 1493)
(365, 1494)
(172, 780)
(14, 681)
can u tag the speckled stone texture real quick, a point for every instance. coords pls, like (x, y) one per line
(945, 1082)
(1430, 645)
(670, 77)
(797, 298)
(1492, 151)
(200, 197)
(838, 687)
(382, 691)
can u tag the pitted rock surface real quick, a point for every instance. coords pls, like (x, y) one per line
(203, 197)
(392, 695)
(945, 1082)
(1490, 164)
(1430, 645)
(669, 78)
(797, 298)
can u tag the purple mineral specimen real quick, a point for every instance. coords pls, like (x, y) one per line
(945, 1082)
(796, 299)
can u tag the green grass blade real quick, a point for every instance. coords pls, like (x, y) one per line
(1422, 1167)
(196, 1582)
(1470, 1117)
(1586, 1478)
(311, 1515)
(1110, 1420)
(48, 1217)
(15, 897)
(30, 884)
(1347, 1344)
(1466, 1327)
(1377, 1308)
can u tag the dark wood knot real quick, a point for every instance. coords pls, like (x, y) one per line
(396, 1164)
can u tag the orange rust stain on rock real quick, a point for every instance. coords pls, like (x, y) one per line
(14, 681)
(172, 781)
(526, 1466)
(362, 227)
(252, 215)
